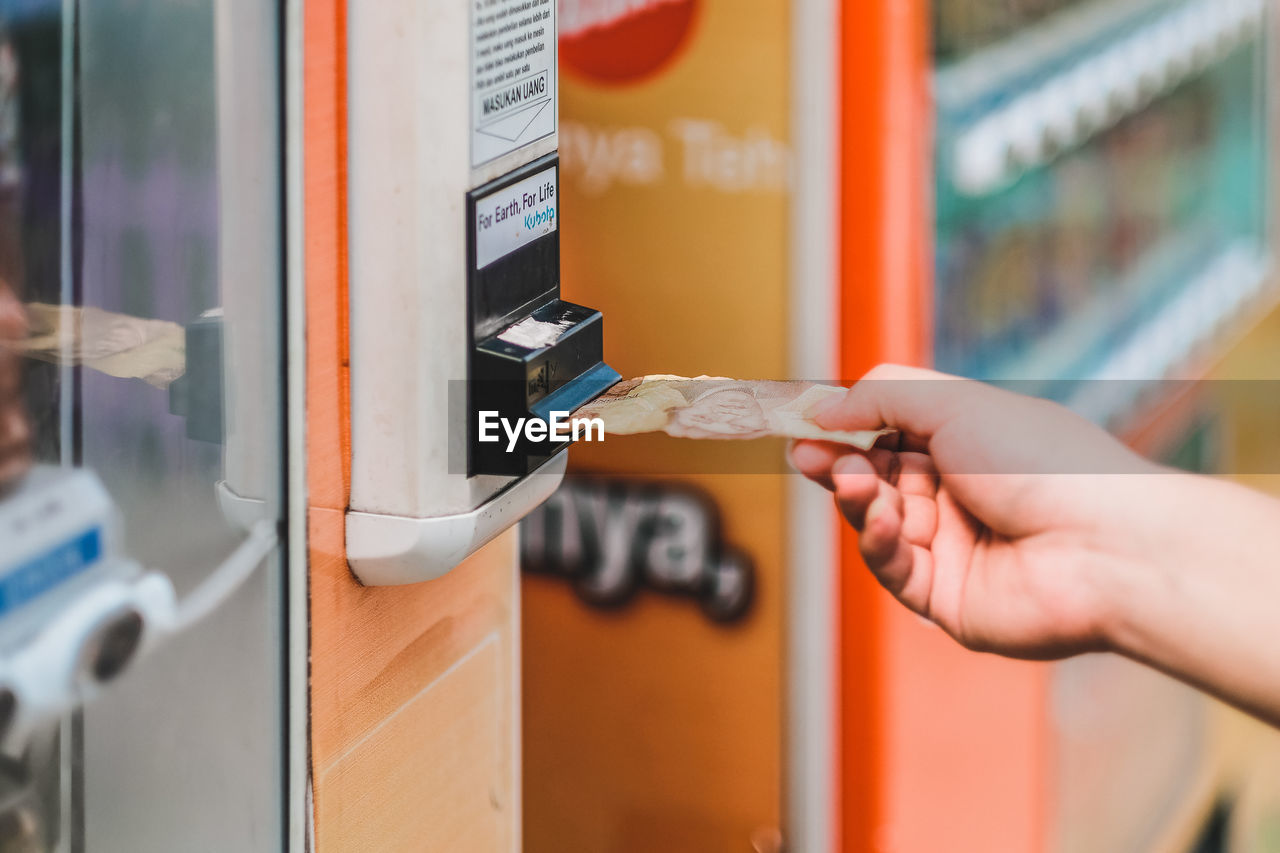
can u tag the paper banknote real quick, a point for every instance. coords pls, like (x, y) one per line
(716, 407)
(116, 344)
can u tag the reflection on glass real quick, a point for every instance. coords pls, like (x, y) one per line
(31, 203)
(149, 201)
(140, 291)
(15, 432)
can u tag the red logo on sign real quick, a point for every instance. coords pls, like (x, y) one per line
(622, 41)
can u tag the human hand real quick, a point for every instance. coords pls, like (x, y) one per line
(1006, 520)
(15, 429)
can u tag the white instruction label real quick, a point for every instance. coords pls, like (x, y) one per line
(513, 75)
(515, 216)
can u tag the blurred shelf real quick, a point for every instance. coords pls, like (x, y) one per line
(1106, 361)
(1042, 48)
(1086, 340)
(1195, 325)
(1021, 104)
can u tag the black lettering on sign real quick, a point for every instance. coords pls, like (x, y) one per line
(515, 95)
(612, 537)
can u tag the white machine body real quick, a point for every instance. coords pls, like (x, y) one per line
(444, 97)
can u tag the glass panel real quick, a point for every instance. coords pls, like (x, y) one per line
(179, 198)
(34, 213)
(141, 277)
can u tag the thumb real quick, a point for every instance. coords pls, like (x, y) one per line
(910, 399)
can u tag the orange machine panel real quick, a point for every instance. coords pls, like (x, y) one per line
(650, 727)
(931, 735)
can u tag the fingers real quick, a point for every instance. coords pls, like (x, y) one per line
(815, 460)
(865, 476)
(899, 566)
(891, 498)
(15, 429)
(918, 483)
(857, 486)
(15, 433)
(903, 567)
(13, 321)
(881, 538)
(10, 375)
(15, 444)
(913, 400)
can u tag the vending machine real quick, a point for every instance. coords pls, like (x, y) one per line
(1071, 198)
(267, 268)
(1088, 220)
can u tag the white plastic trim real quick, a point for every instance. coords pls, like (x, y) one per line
(811, 535)
(240, 512)
(230, 575)
(390, 550)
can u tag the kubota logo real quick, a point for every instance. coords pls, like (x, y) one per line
(622, 41)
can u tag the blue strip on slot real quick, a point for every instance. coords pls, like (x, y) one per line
(37, 576)
(576, 393)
